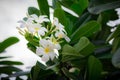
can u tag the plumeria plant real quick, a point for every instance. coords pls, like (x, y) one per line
(74, 43)
(50, 35)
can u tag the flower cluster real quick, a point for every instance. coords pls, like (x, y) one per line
(115, 22)
(50, 34)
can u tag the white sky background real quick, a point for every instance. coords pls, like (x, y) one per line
(12, 11)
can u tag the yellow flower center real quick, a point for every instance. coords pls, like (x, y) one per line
(60, 35)
(47, 50)
(36, 28)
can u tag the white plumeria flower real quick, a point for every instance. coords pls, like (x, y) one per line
(58, 25)
(46, 50)
(40, 19)
(37, 28)
(60, 34)
(113, 23)
(118, 11)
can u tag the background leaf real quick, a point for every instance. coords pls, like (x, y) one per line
(44, 7)
(116, 59)
(98, 6)
(33, 10)
(8, 42)
(84, 47)
(85, 30)
(94, 69)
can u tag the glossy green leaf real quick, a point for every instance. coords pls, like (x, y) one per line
(10, 63)
(85, 30)
(98, 6)
(37, 73)
(32, 39)
(116, 59)
(4, 57)
(84, 46)
(31, 47)
(8, 42)
(59, 13)
(69, 53)
(94, 69)
(82, 20)
(33, 10)
(44, 7)
(79, 6)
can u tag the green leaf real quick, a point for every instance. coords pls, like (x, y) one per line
(5, 57)
(33, 10)
(84, 46)
(116, 58)
(8, 42)
(82, 20)
(98, 6)
(42, 66)
(85, 30)
(116, 44)
(59, 13)
(10, 63)
(94, 69)
(37, 73)
(44, 7)
(69, 53)
(32, 39)
(79, 6)
(31, 47)
(9, 69)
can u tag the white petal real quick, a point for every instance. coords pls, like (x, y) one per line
(34, 16)
(67, 38)
(57, 46)
(52, 55)
(111, 23)
(43, 42)
(22, 24)
(40, 51)
(45, 58)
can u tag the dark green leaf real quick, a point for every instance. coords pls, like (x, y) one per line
(116, 59)
(37, 73)
(44, 7)
(94, 69)
(9, 69)
(84, 46)
(5, 57)
(79, 6)
(85, 30)
(69, 53)
(8, 42)
(33, 10)
(82, 20)
(10, 63)
(98, 6)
